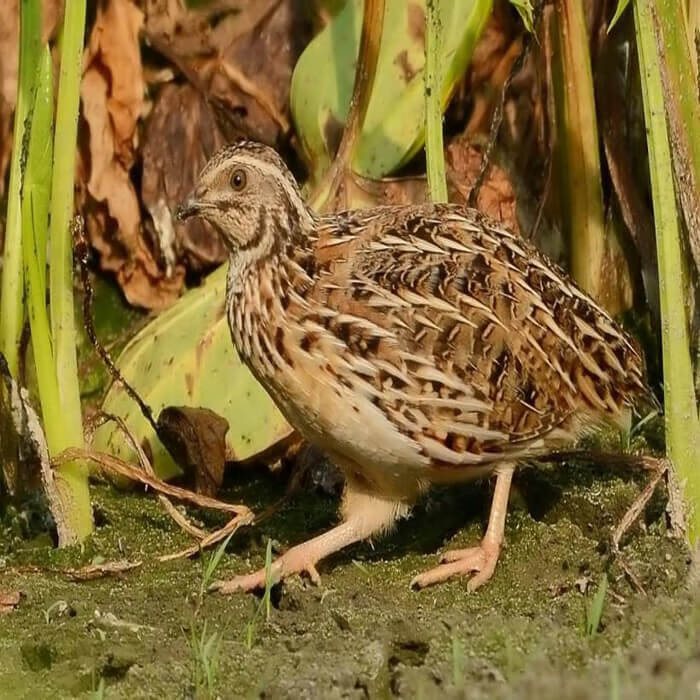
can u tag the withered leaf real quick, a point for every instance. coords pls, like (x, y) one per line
(240, 55)
(90, 572)
(496, 196)
(9, 600)
(181, 134)
(112, 94)
(196, 438)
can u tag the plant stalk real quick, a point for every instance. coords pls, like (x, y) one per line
(11, 297)
(678, 82)
(577, 136)
(681, 415)
(434, 148)
(74, 474)
(330, 192)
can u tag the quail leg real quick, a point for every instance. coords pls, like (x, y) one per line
(363, 515)
(480, 561)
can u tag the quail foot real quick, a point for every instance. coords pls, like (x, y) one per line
(415, 345)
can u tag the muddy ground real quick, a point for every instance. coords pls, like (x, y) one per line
(362, 633)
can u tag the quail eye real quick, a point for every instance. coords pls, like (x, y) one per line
(238, 180)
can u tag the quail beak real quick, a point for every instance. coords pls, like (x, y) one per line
(189, 208)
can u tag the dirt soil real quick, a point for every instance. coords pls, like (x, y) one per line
(362, 632)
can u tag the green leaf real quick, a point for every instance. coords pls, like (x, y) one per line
(186, 357)
(526, 12)
(394, 126)
(621, 7)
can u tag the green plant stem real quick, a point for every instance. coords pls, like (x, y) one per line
(11, 299)
(681, 416)
(678, 82)
(34, 198)
(61, 269)
(434, 149)
(332, 187)
(73, 474)
(577, 135)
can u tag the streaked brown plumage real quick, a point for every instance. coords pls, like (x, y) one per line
(415, 345)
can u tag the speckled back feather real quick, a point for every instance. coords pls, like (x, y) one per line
(478, 343)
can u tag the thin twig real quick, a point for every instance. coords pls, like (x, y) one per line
(497, 118)
(214, 537)
(170, 509)
(332, 186)
(81, 248)
(659, 467)
(242, 514)
(119, 466)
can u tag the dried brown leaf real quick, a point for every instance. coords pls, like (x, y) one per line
(90, 572)
(112, 94)
(180, 135)
(9, 600)
(196, 437)
(243, 60)
(238, 57)
(496, 196)
(9, 42)
(463, 160)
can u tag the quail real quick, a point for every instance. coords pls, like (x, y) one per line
(415, 345)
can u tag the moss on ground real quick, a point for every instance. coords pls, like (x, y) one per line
(363, 633)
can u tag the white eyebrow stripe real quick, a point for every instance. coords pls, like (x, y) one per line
(267, 170)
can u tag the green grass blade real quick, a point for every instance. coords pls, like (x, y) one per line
(212, 564)
(681, 415)
(621, 7)
(251, 628)
(526, 12)
(72, 487)
(61, 278)
(37, 175)
(269, 582)
(11, 298)
(594, 612)
(434, 149)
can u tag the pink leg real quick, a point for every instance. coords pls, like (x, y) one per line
(363, 515)
(480, 560)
